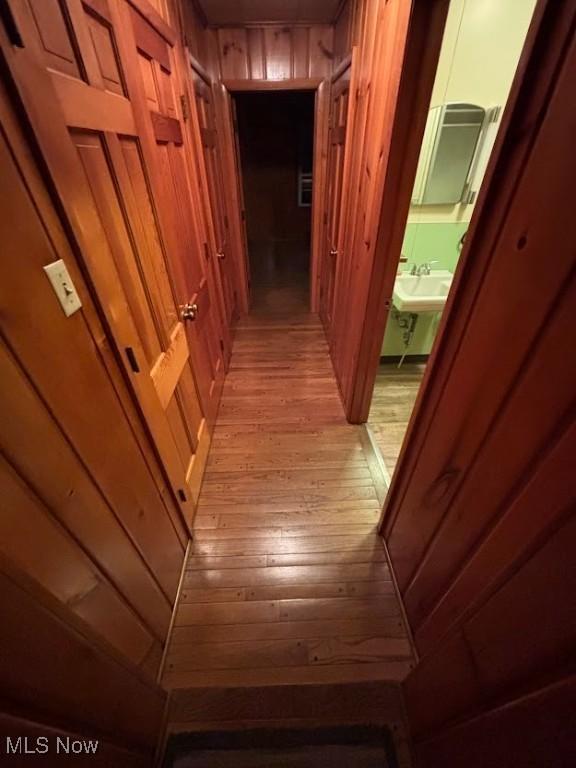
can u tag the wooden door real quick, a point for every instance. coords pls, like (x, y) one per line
(74, 75)
(216, 213)
(158, 106)
(339, 110)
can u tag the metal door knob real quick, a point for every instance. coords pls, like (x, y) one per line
(221, 254)
(189, 312)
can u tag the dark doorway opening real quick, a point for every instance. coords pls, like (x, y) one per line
(276, 136)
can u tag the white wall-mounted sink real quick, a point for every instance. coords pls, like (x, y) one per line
(422, 293)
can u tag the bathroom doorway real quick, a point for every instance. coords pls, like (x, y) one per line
(276, 138)
(481, 49)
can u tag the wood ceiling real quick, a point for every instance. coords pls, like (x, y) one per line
(228, 12)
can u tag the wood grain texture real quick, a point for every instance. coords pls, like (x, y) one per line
(275, 52)
(481, 524)
(395, 392)
(87, 687)
(286, 580)
(376, 69)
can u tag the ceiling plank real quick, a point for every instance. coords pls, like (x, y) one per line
(242, 12)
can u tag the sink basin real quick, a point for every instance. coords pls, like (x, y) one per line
(422, 293)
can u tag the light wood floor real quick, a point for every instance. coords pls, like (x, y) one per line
(393, 400)
(287, 582)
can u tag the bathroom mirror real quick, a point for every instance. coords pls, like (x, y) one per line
(450, 143)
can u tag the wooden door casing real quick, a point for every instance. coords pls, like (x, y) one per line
(234, 190)
(319, 170)
(98, 152)
(338, 121)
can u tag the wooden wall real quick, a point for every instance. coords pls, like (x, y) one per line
(95, 149)
(348, 28)
(91, 541)
(275, 52)
(375, 77)
(480, 519)
(59, 680)
(85, 508)
(200, 40)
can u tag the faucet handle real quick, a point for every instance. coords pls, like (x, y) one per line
(427, 266)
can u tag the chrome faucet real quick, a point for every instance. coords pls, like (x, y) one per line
(422, 269)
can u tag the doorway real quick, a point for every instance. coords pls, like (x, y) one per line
(481, 49)
(276, 138)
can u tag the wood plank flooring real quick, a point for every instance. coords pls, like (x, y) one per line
(287, 582)
(393, 400)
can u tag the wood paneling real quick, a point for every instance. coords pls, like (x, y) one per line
(229, 12)
(57, 677)
(348, 28)
(480, 517)
(275, 52)
(374, 91)
(200, 41)
(341, 116)
(68, 461)
(286, 582)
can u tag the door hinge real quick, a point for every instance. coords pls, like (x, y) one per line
(185, 104)
(10, 25)
(131, 355)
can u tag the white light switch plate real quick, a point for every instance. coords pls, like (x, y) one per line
(63, 286)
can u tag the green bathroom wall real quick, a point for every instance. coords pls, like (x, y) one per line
(435, 241)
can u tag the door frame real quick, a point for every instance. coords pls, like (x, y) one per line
(419, 65)
(418, 68)
(423, 44)
(321, 89)
(519, 123)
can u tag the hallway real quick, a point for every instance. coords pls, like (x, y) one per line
(286, 581)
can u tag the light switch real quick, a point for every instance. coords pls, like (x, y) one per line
(63, 286)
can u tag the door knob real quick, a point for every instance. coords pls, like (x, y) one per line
(221, 254)
(189, 311)
(333, 252)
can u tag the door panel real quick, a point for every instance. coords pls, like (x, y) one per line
(106, 543)
(95, 144)
(339, 103)
(168, 155)
(206, 114)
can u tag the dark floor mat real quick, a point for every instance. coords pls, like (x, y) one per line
(344, 747)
